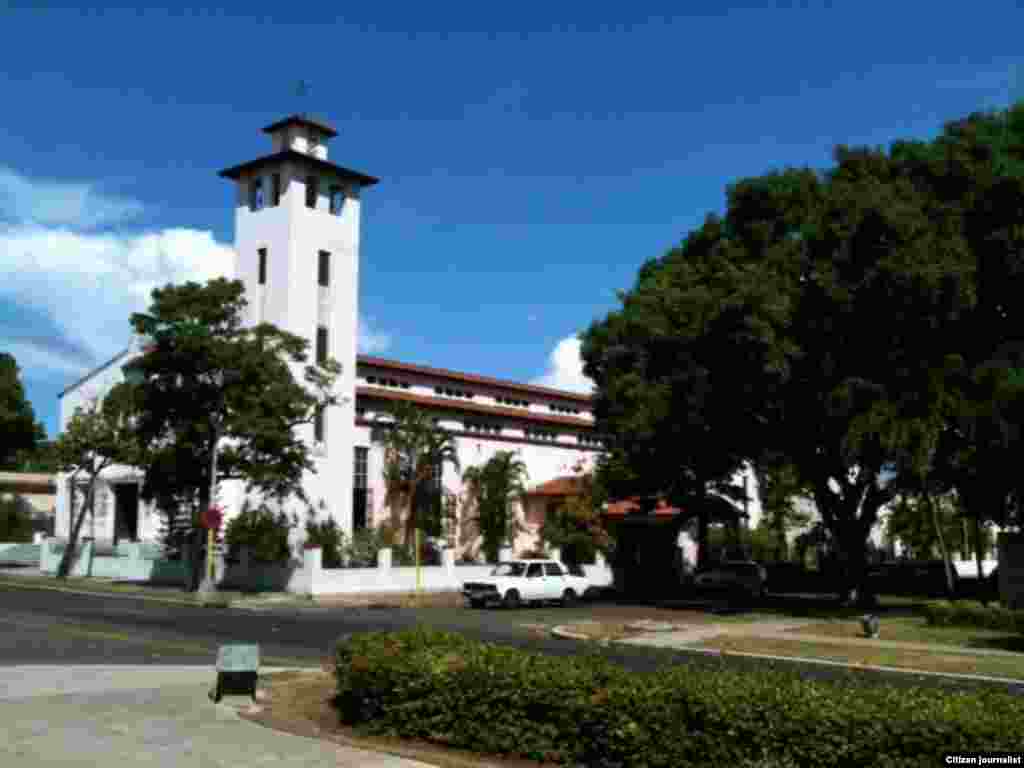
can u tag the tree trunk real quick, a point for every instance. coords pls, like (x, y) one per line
(852, 560)
(64, 568)
(195, 541)
(702, 538)
(950, 586)
(978, 555)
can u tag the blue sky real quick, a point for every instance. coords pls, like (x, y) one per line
(531, 156)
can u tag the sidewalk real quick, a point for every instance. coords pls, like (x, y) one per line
(158, 716)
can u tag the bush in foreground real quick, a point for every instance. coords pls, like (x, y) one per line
(448, 689)
(943, 613)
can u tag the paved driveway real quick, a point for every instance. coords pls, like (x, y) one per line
(154, 716)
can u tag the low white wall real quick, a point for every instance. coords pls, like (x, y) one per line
(968, 569)
(449, 577)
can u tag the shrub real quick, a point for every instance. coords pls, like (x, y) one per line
(15, 520)
(330, 538)
(362, 551)
(448, 689)
(264, 533)
(965, 613)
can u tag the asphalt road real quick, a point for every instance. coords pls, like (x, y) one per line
(49, 627)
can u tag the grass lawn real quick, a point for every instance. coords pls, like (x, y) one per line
(915, 630)
(994, 666)
(301, 703)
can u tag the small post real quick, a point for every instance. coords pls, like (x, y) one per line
(237, 671)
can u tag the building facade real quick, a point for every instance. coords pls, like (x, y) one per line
(297, 235)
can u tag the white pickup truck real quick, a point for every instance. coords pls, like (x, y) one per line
(514, 582)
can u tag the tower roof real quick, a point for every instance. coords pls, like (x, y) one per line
(308, 161)
(302, 120)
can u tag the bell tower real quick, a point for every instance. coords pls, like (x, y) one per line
(297, 252)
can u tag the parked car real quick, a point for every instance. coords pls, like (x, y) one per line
(745, 575)
(514, 582)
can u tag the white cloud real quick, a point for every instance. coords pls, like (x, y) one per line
(56, 203)
(565, 368)
(87, 283)
(370, 340)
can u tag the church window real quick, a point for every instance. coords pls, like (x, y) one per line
(263, 266)
(324, 272)
(256, 194)
(360, 491)
(337, 200)
(318, 424)
(321, 345)
(312, 191)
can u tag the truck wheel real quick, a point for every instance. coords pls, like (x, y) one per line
(476, 603)
(568, 598)
(512, 599)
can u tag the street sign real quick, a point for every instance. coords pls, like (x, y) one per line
(212, 518)
(237, 670)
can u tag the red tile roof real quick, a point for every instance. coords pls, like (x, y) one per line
(567, 485)
(629, 506)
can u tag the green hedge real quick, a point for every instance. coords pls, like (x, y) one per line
(447, 689)
(965, 613)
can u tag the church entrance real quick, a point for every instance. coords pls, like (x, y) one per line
(126, 512)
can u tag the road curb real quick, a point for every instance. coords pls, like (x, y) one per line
(241, 603)
(562, 632)
(870, 667)
(565, 634)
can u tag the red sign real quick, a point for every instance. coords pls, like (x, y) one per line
(212, 518)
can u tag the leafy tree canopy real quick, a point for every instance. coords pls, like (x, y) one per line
(21, 432)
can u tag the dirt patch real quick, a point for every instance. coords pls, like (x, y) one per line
(604, 630)
(994, 666)
(300, 703)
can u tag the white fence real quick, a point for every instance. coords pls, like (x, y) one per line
(143, 562)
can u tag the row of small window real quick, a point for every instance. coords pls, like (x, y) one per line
(563, 409)
(380, 381)
(257, 201)
(590, 440)
(542, 434)
(482, 427)
(449, 392)
(510, 401)
(323, 267)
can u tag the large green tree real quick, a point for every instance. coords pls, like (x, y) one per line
(205, 378)
(681, 419)
(817, 314)
(21, 432)
(493, 489)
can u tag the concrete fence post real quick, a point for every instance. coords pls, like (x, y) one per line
(312, 564)
(505, 553)
(448, 561)
(556, 554)
(384, 559)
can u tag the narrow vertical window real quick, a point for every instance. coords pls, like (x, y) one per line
(312, 191)
(360, 492)
(263, 266)
(318, 424)
(256, 194)
(324, 269)
(337, 200)
(321, 345)
(275, 189)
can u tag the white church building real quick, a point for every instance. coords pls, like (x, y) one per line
(297, 236)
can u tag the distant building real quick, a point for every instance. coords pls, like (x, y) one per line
(36, 493)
